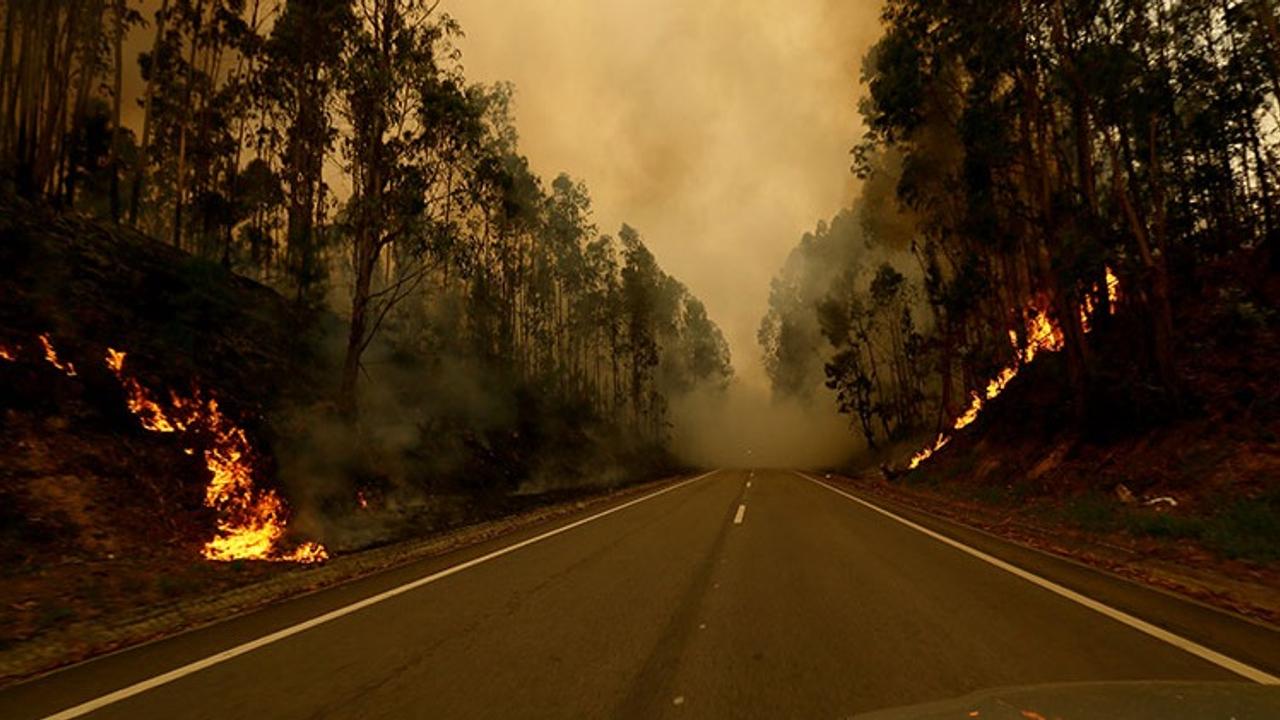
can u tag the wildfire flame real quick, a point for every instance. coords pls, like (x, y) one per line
(1043, 336)
(928, 452)
(1089, 305)
(8, 354)
(251, 522)
(51, 356)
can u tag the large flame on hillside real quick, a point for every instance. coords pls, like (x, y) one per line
(251, 521)
(1043, 335)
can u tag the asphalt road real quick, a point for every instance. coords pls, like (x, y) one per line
(738, 594)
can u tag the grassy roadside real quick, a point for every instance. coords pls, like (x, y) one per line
(1225, 558)
(1226, 520)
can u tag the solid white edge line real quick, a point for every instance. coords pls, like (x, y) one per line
(742, 511)
(1190, 646)
(194, 667)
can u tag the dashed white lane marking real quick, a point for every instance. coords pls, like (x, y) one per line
(742, 511)
(748, 483)
(678, 701)
(163, 679)
(1190, 646)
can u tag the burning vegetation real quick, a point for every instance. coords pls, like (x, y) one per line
(251, 521)
(51, 357)
(1043, 335)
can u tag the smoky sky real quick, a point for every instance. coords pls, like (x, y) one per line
(721, 129)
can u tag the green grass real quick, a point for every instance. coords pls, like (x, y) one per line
(1248, 529)
(1093, 511)
(1161, 525)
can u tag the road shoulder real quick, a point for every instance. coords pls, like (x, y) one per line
(83, 641)
(1246, 639)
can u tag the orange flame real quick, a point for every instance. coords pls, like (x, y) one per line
(1090, 304)
(928, 452)
(8, 354)
(51, 356)
(251, 522)
(1043, 335)
(1113, 290)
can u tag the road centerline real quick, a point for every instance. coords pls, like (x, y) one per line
(1182, 643)
(196, 666)
(742, 512)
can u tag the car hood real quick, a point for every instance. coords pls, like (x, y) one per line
(1102, 701)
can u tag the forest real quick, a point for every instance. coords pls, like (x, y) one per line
(333, 382)
(453, 318)
(1095, 182)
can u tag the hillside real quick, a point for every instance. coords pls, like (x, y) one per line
(1186, 496)
(100, 516)
(98, 513)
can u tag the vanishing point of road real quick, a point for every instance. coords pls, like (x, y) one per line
(764, 594)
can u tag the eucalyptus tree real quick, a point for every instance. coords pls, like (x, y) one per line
(411, 132)
(53, 59)
(1033, 149)
(304, 58)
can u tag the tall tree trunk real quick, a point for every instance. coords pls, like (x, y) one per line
(181, 179)
(142, 163)
(348, 401)
(8, 78)
(117, 87)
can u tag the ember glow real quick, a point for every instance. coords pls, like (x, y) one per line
(51, 356)
(8, 354)
(1113, 290)
(251, 522)
(1043, 335)
(1090, 303)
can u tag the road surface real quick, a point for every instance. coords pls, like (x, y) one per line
(741, 594)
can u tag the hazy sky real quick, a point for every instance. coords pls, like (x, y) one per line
(720, 129)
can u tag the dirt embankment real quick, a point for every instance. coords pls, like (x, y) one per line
(98, 515)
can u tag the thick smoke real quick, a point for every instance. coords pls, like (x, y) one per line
(743, 426)
(722, 128)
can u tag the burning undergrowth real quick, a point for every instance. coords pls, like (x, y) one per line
(1042, 334)
(251, 520)
(1193, 484)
